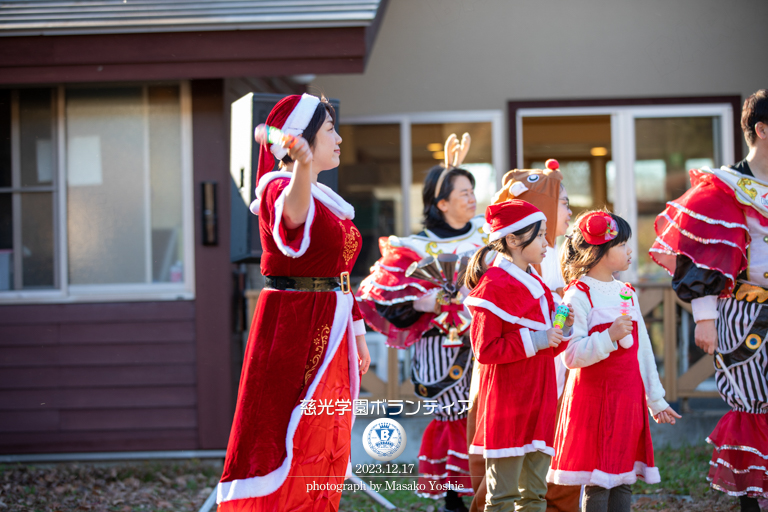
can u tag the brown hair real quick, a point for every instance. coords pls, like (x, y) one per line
(477, 266)
(755, 110)
(579, 257)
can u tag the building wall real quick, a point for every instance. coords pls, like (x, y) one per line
(98, 377)
(433, 55)
(133, 375)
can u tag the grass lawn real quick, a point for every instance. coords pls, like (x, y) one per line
(171, 486)
(683, 473)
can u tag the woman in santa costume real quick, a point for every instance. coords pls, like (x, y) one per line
(515, 341)
(403, 308)
(613, 377)
(307, 342)
(714, 241)
(544, 189)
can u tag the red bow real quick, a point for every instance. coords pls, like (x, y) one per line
(453, 317)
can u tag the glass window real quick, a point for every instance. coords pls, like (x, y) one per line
(124, 212)
(369, 178)
(27, 178)
(123, 185)
(582, 147)
(665, 149)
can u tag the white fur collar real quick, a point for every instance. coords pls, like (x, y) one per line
(530, 282)
(322, 193)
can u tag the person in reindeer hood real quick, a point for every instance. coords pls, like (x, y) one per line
(406, 310)
(544, 189)
(713, 240)
(307, 339)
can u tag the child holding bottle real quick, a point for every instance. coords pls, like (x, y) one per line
(603, 438)
(513, 337)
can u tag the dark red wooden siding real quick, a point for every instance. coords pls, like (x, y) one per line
(98, 377)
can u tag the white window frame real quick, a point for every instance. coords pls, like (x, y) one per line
(67, 293)
(406, 120)
(623, 145)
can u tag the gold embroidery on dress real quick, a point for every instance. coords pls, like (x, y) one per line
(350, 243)
(486, 236)
(432, 249)
(743, 183)
(318, 346)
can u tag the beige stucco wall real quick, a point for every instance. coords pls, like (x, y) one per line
(433, 55)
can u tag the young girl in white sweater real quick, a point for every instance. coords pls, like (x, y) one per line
(603, 438)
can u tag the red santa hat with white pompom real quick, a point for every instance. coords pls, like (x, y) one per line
(510, 216)
(292, 114)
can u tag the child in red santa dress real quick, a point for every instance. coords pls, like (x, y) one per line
(514, 339)
(603, 438)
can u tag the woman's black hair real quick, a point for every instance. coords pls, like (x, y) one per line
(579, 257)
(432, 215)
(317, 122)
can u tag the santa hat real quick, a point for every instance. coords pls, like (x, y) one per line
(292, 114)
(510, 216)
(598, 228)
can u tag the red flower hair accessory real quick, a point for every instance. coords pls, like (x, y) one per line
(598, 228)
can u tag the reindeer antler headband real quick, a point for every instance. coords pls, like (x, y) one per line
(454, 156)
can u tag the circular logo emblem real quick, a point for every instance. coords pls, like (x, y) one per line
(456, 372)
(753, 342)
(423, 391)
(384, 439)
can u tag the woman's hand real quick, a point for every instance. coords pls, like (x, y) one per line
(668, 415)
(621, 327)
(554, 336)
(298, 149)
(706, 336)
(363, 357)
(571, 316)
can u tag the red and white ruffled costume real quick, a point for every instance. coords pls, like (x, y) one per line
(517, 399)
(438, 373)
(607, 395)
(714, 241)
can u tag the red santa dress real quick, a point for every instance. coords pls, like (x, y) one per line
(517, 399)
(603, 433)
(442, 374)
(301, 348)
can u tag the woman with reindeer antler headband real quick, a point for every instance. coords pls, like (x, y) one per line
(406, 310)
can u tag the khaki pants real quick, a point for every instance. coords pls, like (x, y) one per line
(520, 480)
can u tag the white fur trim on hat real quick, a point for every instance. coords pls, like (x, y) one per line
(526, 221)
(297, 121)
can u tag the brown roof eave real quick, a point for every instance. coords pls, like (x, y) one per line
(182, 55)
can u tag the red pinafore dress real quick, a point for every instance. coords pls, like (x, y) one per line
(603, 434)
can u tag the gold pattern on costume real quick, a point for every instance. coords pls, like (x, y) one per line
(743, 183)
(423, 390)
(318, 347)
(486, 236)
(456, 372)
(432, 249)
(350, 243)
(751, 293)
(753, 341)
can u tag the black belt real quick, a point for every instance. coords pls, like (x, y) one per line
(310, 284)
